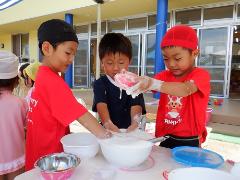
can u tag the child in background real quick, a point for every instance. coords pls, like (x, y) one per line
(13, 112)
(21, 90)
(30, 73)
(52, 105)
(116, 109)
(184, 90)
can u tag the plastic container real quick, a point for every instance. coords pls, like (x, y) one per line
(208, 114)
(84, 145)
(217, 102)
(126, 151)
(197, 157)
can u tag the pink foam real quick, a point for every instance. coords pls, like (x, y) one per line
(125, 79)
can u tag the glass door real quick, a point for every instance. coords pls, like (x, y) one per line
(135, 64)
(148, 54)
(214, 57)
(81, 64)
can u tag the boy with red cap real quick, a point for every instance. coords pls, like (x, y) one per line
(184, 90)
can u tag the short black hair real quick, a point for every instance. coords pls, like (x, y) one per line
(22, 67)
(115, 43)
(55, 31)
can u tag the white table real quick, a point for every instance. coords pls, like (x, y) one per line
(88, 169)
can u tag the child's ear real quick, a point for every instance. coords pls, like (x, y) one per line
(47, 48)
(195, 52)
(101, 64)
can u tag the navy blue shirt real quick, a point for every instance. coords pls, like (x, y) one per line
(119, 108)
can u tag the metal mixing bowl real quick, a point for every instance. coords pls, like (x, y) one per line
(57, 166)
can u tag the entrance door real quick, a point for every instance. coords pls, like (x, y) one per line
(234, 91)
(214, 57)
(81, 64)
(148, 54)
(135, 65)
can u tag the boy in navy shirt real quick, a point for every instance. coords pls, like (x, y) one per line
(116, 109)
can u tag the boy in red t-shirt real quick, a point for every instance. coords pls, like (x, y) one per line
(52, 104)
(184, 90)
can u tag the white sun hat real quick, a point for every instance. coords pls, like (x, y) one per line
(8, 65)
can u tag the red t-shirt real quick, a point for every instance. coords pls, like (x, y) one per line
(183, 116)
(52, 108)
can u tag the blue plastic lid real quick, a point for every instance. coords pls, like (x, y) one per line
(197, 157)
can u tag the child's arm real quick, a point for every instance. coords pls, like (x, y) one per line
(102, 110)
(91, 123)
(136, 112)
(181, 89)
(172, 88)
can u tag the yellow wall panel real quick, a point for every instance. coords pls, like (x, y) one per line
(28, 9)
(33, 45)
(6, 40)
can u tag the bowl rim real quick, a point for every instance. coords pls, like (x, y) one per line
(52, 171)
(81, 146)
(106, 143)
(77, 146)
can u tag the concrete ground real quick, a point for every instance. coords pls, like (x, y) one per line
(228, 150)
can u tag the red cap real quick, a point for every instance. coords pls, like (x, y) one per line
(181, 35)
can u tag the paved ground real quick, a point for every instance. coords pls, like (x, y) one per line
(228, 150)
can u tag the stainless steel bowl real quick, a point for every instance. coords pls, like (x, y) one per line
(57, 166)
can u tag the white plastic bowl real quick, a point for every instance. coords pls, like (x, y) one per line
(84, 145)
(125, 152)
(199, 173)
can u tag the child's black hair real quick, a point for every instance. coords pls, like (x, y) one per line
(8, 84)
(22, 67)
(55, 31)
(54, 45)
(115, 43)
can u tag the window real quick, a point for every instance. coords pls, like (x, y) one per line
(212, 14)
(116, 26)
(21, 47)
(81, 64)
(94, 28)
(152, 21)
(150, 54)
(137, 23)
(189, 17)
(82, 30)
(238, 11)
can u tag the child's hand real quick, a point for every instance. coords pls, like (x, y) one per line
(134, 122)
(144, 84)
(106, 135)
(132, 127)
(110, 126)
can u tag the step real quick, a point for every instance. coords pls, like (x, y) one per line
(225, 119)
(232, 130)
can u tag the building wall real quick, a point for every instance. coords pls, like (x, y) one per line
(31, 8)
(6, 40)
(33, 45)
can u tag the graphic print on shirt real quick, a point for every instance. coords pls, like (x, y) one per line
(33, 103)
(174, 107)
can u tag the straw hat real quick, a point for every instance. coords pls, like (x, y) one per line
(32, 70)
